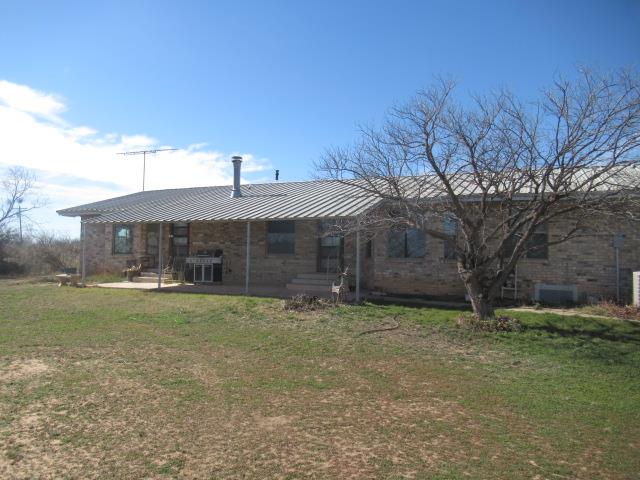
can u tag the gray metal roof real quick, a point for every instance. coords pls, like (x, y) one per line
(311, 199)
(282, 200)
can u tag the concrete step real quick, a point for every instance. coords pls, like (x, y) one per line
(317, 276)
(312, 281)
(310, 289)
(153, 279)
(149, 274)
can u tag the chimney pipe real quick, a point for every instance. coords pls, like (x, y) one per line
(237, 161)
(277, 175)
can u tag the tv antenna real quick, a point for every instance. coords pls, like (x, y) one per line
(144, 158)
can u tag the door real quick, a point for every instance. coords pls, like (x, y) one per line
(179, 240)
(152, 244)
(330, 250)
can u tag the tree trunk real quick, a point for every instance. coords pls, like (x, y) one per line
(481, 301)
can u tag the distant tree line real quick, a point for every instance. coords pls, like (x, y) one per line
(29, 253)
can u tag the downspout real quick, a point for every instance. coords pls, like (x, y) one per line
(248, 260)
(618, 241)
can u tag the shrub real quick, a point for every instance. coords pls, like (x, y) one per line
(612, 309)
(497, 324)
(41, 254)
(305, 303)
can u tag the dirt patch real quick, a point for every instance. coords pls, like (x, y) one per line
(23, 369)
(273, 423)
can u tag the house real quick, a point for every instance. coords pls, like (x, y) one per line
(276, 234)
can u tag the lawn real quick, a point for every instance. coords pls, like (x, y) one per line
(98, 383)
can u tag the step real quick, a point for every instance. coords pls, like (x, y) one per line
(149, 274)
(311, 281)
(312, 289)
(153, 279)
(318, 276)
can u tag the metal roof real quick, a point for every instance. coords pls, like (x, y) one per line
(310, 199)
(272, 201)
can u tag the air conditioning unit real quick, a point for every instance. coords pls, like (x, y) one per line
(636, 289)
(555, 294)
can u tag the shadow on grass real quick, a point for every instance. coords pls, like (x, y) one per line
(594, 330)
(609, 341)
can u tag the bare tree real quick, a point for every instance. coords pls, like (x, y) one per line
(15, 187)
(498, 169)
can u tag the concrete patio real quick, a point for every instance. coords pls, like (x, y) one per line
(258, 290)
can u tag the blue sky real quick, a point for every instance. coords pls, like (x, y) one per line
(274, 81)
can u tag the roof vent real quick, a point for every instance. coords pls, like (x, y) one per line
(237, 162)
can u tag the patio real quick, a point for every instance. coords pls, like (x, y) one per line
(258, 290)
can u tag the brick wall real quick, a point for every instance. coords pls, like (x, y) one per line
(266, 269)
(230, 237)
(587, 262)
(99, 255)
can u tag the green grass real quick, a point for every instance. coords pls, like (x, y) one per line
(129, 384)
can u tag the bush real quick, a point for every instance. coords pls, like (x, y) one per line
(42, 254)
(612, 309)
(497, 324)
(305, 303)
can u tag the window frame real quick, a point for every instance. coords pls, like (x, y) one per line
(405, 243)
(541, 251)
(450, 227)
(270, 244)
(180, 230)
(115, 237)
(538, 253)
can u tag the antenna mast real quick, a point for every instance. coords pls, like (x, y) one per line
(144, 158)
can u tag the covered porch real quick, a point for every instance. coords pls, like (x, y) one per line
(277, 258)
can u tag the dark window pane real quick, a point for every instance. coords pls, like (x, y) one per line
(539, 243)
(409, 243)
(415, 243)
(396, 243)
(369, 249)
(281, 226)
(122, 239)
(281, 237)
(450, 228)
(179, 239)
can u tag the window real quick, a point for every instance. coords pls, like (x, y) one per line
(281, 237)
(369, 249)
(179, 240)
(450, 228)
(407, 243)
(538, 244)
(122, 239)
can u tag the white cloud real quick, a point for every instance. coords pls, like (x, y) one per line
(76, 164)
(26, 99)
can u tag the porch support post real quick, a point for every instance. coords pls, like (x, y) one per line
(358, 262)
(84, 241)
(248, 260)
(160, 227)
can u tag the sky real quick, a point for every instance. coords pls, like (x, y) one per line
(277, 82)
